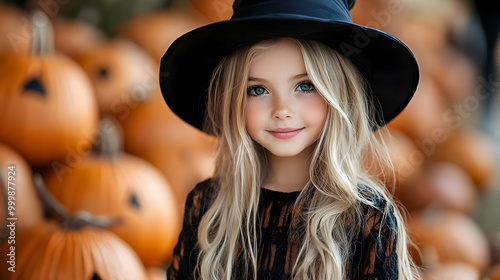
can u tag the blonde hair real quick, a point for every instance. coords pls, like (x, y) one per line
(228, 230)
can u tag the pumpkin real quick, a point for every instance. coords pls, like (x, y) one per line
(122, 74)
(47, 106)
(49, 251)
(73, 248)
(441, 184)
(214, 10)
(182, 153)
(73, 36)
(406, 158)
(15, 30)
(422, 119)
(448, 236)
(380, 14)
(156, 30)
(474, 152)
(14, 169)
(112, 183)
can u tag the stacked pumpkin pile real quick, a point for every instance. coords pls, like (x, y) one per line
(442, 165)
(116, 164)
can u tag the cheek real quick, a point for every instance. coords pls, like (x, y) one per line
(253, 118)
(315, 111)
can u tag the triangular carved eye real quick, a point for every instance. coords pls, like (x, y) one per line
(95, 277)
(134, 202)
(35, 86)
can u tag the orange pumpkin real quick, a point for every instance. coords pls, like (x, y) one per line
(116, 184)
(448, 236)
(405, 156)
(214, 10)
(472, 151)
(182, 153)
(380, 14)
(155, 31)
(50, 251)
(422, 119)
(441, 184)
(73, 248)
(122, 73)
(14, 169)
(47, 105)
(15, 30)
(73, 36)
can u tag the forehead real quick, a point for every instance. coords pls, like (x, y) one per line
(283, 58)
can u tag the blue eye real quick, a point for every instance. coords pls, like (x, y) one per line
(256, 91)
(305, 87)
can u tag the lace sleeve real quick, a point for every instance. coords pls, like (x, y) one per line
(185, 252)
(375, 250)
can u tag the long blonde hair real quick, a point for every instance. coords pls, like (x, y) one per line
(228, 229)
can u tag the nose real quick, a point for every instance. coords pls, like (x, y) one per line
(282, 108)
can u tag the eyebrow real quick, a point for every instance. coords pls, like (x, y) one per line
(296, 77)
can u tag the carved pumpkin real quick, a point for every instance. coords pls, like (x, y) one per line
(28, 209)
(47, 105)
(73, 248)
(445, 236)
(122, 73)
(155, 31)
(116, 184)
(182, 153)
(49, 251)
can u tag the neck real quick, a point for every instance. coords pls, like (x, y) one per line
(288, 174)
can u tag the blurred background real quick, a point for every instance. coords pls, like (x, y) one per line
(95, 168)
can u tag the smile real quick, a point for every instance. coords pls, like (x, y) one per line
(285, 133)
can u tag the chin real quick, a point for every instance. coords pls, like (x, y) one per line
(286, 152)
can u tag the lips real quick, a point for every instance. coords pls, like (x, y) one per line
(285, 133)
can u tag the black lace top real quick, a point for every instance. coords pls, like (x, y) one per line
(373, 253)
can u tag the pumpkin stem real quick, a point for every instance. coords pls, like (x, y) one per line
(83, 218)
(43, 33)
(79, 219)
(48, 200)
(110, 144)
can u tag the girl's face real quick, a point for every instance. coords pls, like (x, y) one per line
(284, 112)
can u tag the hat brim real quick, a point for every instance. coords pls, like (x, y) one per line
(388, 66)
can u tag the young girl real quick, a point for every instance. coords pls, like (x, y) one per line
(294, 96)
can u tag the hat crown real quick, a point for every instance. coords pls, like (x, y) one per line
(337, 10)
